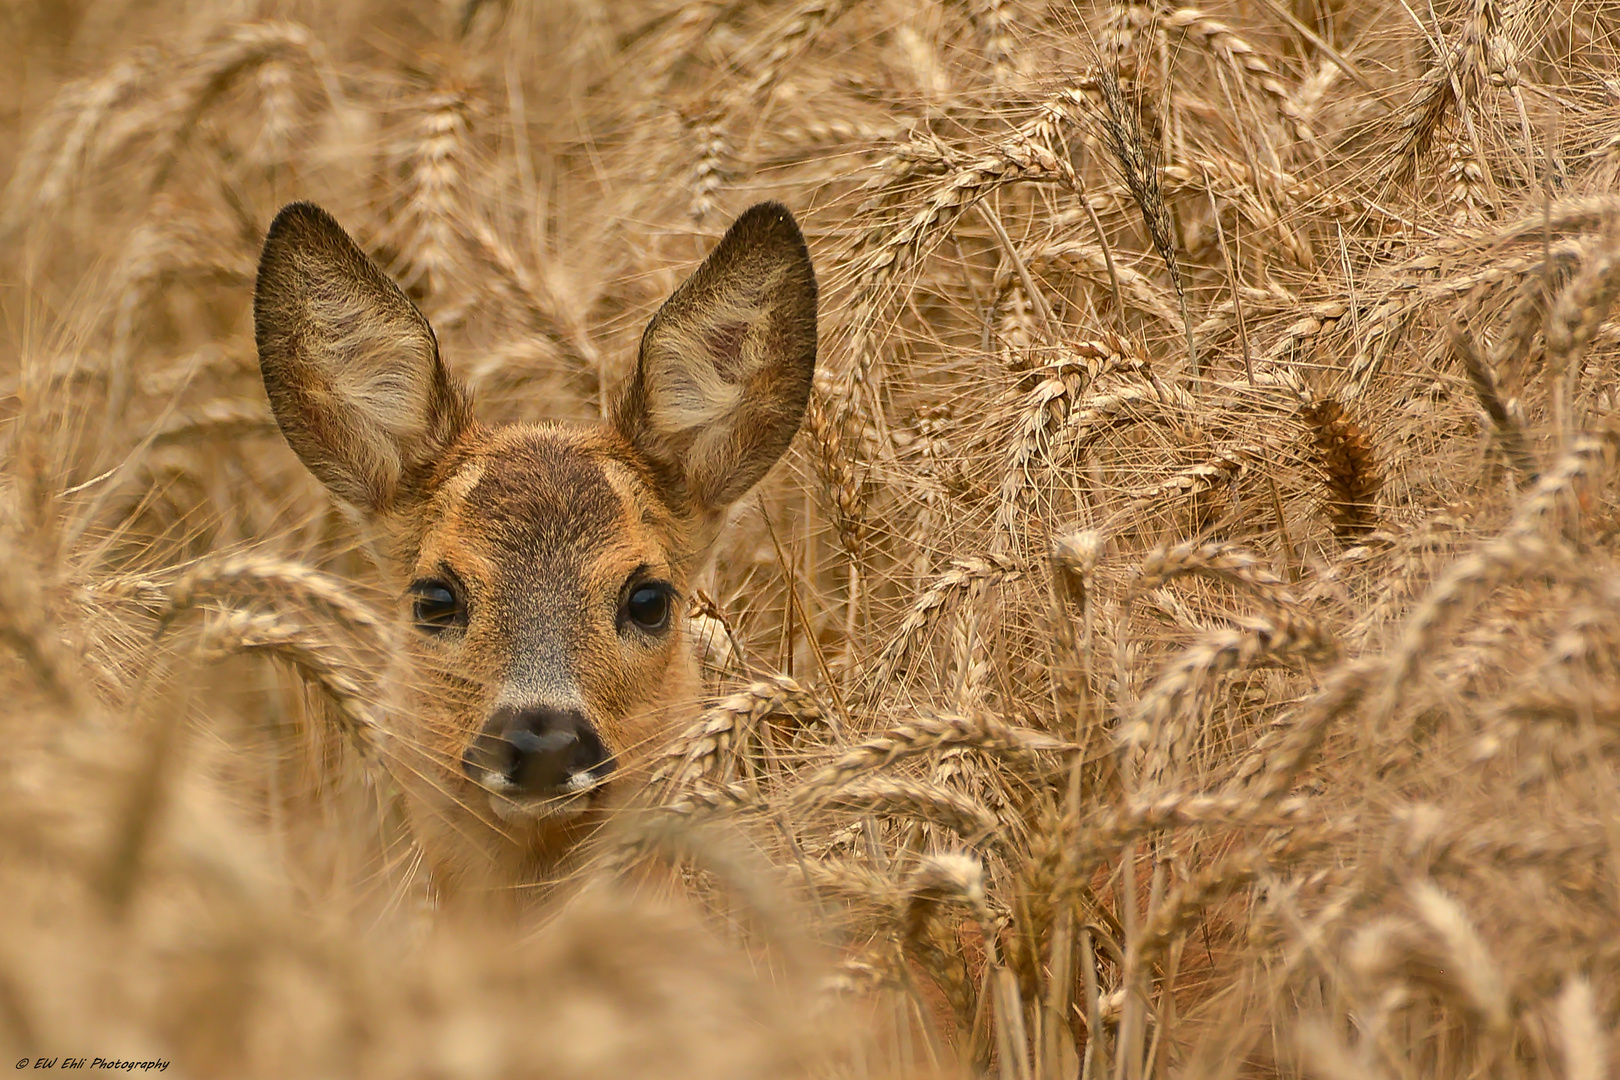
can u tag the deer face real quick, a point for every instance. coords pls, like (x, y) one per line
(542, 567)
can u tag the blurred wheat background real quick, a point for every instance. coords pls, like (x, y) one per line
(1184, 640)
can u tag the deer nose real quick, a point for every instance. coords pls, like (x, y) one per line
(537, 752)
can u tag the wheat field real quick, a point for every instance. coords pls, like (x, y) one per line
(1183, 640)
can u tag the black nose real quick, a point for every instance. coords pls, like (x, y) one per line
(539, 751)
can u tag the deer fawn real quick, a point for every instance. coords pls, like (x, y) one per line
(544, 565)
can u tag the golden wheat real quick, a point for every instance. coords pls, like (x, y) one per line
(1182, 642)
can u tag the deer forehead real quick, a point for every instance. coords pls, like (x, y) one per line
(538, 520)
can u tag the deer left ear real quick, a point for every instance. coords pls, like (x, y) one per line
(725, 367)
(351, 367)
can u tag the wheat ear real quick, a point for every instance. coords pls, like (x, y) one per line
(709, 747)
(1244, 58)
(1122, 134)
(1504, 419)
(886, 795)
(1165, 724)
(1572, 322)
(837, 474)
(1348, 466)
(342, 680)
(1219, 561)
(292, 584)
(1519, 548)
(923, 735)
(964, 574)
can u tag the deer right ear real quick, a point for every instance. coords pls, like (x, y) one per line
(351, 366)
(725, 367)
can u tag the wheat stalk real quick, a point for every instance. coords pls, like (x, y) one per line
(343, 681)
(1165, 724)
(819, 133)
(837, 474)
(1244, 58)
(1468, 194)
(1083, 422)
(436, 157)
(288, 584)
(975, 572)
(1388, 316)
(1220, 562)
(1222, 468)
(792, 40)
(224, 419)
(1572, 321)
(62, 144)
(1184, 905)
(1138, 168)
(1519, 548)
(712, 166)
(894, 251)
(1453, 80)
(922, 735)
(1503, 416)
(1074, 256)
(710, 747)
(887, 795)
(26, 624)
(206, 77)
(1441, 949)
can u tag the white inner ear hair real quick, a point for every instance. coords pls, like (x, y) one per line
(377, 365)
(684, 386)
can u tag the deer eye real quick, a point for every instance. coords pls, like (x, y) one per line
(648, 605)
(437, 607)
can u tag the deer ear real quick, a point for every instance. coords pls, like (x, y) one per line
(725, 367)
(351, 366)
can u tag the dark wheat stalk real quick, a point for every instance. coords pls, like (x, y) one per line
(1348, 464)
(1139, 168)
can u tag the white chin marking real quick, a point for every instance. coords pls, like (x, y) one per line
(511, 806)
(570, 803)
(555, 808)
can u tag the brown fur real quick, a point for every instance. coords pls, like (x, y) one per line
(542, 530)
